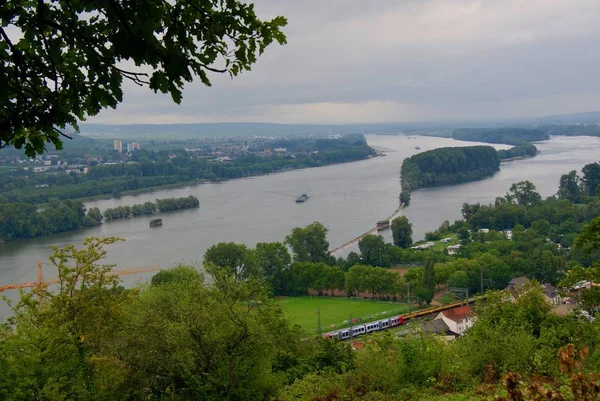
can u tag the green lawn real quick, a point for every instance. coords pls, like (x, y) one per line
(334, 311)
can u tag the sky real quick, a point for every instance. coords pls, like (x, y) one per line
(370, 61)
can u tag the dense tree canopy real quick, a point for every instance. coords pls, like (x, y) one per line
(309, 244)
(446, 166)
(72, 56)
(402, 232)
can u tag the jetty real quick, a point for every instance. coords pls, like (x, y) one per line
(371, 231)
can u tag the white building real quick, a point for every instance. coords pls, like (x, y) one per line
(118, 145)
(458, 319)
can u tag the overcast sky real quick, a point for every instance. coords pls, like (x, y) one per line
(355, 61)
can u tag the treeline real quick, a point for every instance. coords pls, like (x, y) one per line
(447, 166)
(508, 136)
(161, 205)
(524, 150)
(147, 173)
(20, 220)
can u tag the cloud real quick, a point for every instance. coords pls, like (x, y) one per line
(350, 61)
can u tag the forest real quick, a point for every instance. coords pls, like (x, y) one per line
(21, 220)
(446, 166)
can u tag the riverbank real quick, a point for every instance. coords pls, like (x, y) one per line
(194, 183)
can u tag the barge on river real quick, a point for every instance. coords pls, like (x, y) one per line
(302, 198)
(383, 225)
(155, 223)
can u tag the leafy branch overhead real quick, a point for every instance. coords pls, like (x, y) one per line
(64, 60)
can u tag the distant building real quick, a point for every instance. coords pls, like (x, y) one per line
(280, 150)
(484, 230)
(118, 145)
(508, 234)
(133, 146)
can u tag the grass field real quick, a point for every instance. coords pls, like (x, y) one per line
(334, 311)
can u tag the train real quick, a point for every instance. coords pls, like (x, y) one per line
(384, 324)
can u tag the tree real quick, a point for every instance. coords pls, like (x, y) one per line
(68, 63)
(402, 232)
(524, 192)
(95, 214)
(464, 236)
(591, 177)
(309, 244)
(230, 257)
(570, 187)
(429, 275)
(177, 274)
(373, 250)
(458, 279)
(66, 330)
(273, 260)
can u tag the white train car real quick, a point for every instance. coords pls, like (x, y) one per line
(355, 331)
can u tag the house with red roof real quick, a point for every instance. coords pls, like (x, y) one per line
(458, 319)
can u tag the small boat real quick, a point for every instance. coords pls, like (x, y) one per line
(417, 147)
(155, 223)
(302, 198)
(383, 224)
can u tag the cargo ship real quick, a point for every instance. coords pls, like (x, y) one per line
(302, 198)
(383, 224)
(155, 223)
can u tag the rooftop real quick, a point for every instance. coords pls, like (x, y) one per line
(459, 314)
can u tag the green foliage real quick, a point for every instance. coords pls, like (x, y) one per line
(445, 166)
(376, 281)
(591, 178)
(405, 197)
(18, 220)
(177, 274)
(570, 187)
(373, 250)
(67, 64)
(524, 193)
(273, 261)
(402, 232)
(429, 275)
(525, 150)
(234, 259)
(309, 244)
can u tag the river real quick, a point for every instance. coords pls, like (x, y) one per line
(347, 198)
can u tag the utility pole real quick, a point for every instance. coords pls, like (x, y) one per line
(409, 303)
(319, 321)
(351, 329)
(481, 271)
(380, 264)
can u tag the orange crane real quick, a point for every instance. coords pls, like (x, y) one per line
(40, 277)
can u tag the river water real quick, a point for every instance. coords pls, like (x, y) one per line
(348, 199)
